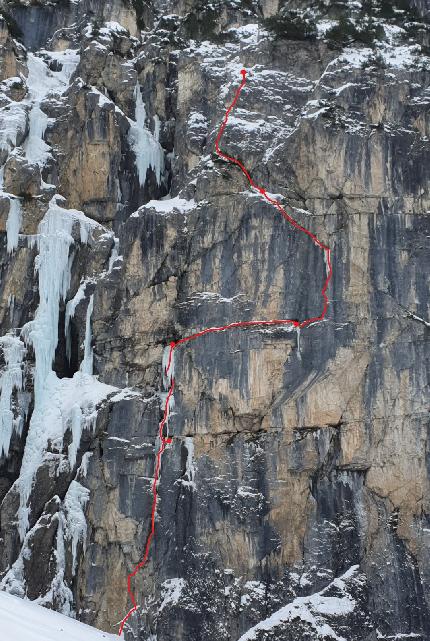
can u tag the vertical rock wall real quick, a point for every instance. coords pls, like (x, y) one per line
(293, 498)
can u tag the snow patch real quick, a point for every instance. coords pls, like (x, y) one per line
(168, 205)
(23, 620)
(171, 591)
(311, 610)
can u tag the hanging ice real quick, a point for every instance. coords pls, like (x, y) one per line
(87, 363)
(70, 312)
(54, 399)
(13, 224)
(52, 263)
(11, 379)
(146, 146)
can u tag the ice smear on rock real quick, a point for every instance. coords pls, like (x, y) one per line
(41, 82)
(190, 470)
(76, 526)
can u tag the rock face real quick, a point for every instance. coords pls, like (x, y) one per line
(293, 498)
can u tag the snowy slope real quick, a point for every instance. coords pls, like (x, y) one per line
(26, 621)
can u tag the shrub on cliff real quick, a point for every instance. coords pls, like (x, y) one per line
(345, 32)
(291, 26)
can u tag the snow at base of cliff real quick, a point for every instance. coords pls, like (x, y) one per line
(25, 621)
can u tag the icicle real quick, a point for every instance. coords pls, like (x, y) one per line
(87, 363)
(327, 257)
(76, 425)
(70, 312)
(299, 355)
(53, 266)
(13, 224)
(52, 407)
(11, 379)
(148, 151)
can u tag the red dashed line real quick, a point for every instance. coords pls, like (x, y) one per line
(174, 344)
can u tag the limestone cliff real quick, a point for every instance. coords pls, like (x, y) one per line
(293, 499)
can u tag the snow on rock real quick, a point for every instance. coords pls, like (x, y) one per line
(146, 146)
(13, 123)
(171, 591)
(394, 56)
(312, 610)
(11, 379)
(23, 620)
(168, 205)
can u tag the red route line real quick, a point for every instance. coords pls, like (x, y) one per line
(210, 330)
